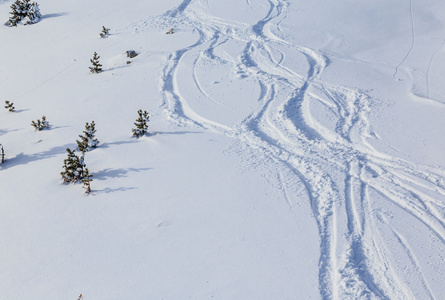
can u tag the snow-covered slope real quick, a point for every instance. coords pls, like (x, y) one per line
(295, 150)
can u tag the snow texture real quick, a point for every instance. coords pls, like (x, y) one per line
(295, 151)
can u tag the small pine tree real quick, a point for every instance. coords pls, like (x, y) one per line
(82, 145)
(69, 167)
(86, 180)
(40, 124)
(141, 124)
(105, 32)
(96, 68)
(88, 140)
(2, 154)
(73, 167)
(9, 106)
(34, 14)
(16, 13)
(24, 9)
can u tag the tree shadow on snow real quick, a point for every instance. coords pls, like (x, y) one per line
(110, 190)
(117, 67)
(56, 127)
(24, 159)
(153, 133)
(149, 134)
(107, 145)
(56, 15)
(3, 131)
(21, 110)
(116, 173)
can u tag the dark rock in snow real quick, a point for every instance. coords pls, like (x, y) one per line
(132, 53)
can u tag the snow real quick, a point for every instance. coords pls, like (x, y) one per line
(295, 150)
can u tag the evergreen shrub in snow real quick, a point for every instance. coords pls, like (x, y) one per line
(2, 154)
(88, 140)
(73, 167)
(96, 68)
(141, 124)
(87, 178)
(9, 106)
(24, 10)
(40, 124)
(75, 170)
(105, 32)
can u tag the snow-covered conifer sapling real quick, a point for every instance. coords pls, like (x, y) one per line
(9, 106)
(34, 14)
(86, 181)
(73, 167)
(2, 154)
(96, 68)
(105, 32)
(141, 124)
(88, 140)
(40, 124)
(24, 9)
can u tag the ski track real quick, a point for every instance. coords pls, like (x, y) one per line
(337, 168)
(413, 40)
(414, 261)
(429, 68)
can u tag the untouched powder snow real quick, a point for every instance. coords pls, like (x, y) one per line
(295, 150)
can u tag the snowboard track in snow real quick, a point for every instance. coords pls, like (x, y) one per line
(413, 39)
(339, 168)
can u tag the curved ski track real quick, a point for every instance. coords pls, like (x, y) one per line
(339, 169)
(413, 40)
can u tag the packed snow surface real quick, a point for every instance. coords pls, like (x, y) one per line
(295, 150)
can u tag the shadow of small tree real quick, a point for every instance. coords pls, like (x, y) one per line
(21, 110)
(55, 15)
(110, 190)
(107, 145)
(24, 159)
(116, 173)
(149, 133)
(3, 131)
(152, 133)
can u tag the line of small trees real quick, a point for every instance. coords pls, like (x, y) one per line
(74, 167)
